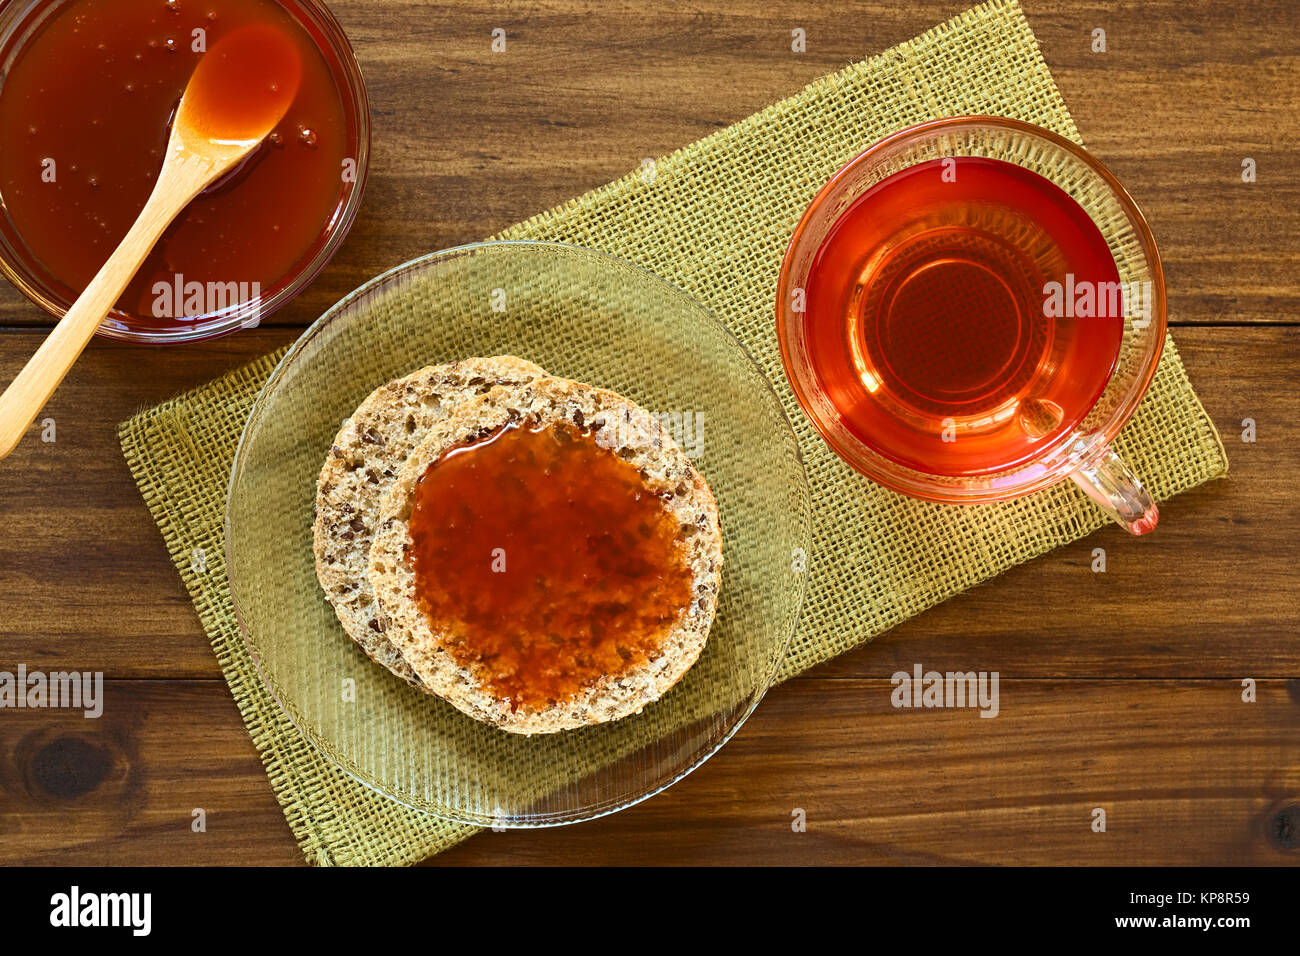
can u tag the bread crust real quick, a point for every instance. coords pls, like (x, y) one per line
(637, 436)
(364, 459)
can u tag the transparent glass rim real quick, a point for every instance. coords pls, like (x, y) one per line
(593, 811)
(1028, 477)
(15, 13)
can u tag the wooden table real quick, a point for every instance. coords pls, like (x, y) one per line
(1120, 690)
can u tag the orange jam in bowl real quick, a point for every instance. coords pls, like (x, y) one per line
(88, 94)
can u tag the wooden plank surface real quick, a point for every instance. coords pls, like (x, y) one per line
(1184, 770)
(1120, 690)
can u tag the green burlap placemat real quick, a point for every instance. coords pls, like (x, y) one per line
(714, 219)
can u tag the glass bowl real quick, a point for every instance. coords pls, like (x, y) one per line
(582, 315)
(22, 20)
(1082, 453)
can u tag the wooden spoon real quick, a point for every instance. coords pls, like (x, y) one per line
(240, 90)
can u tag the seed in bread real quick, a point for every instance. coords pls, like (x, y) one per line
(548, 558)
(362, 463)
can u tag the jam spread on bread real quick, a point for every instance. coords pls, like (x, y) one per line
(543, 561)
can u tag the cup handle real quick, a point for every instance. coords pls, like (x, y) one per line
(1118, 492)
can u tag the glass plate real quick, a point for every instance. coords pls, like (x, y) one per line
(582, 315)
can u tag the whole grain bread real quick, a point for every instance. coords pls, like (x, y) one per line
(362, 463)
(639, 438)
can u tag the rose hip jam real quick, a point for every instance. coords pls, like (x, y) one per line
(547, 560)
(89, 91)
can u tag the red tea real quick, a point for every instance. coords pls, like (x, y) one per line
(928, 319)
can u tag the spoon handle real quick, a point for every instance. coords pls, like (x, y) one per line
(178, 182)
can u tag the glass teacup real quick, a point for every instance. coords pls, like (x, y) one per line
(971, 310)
